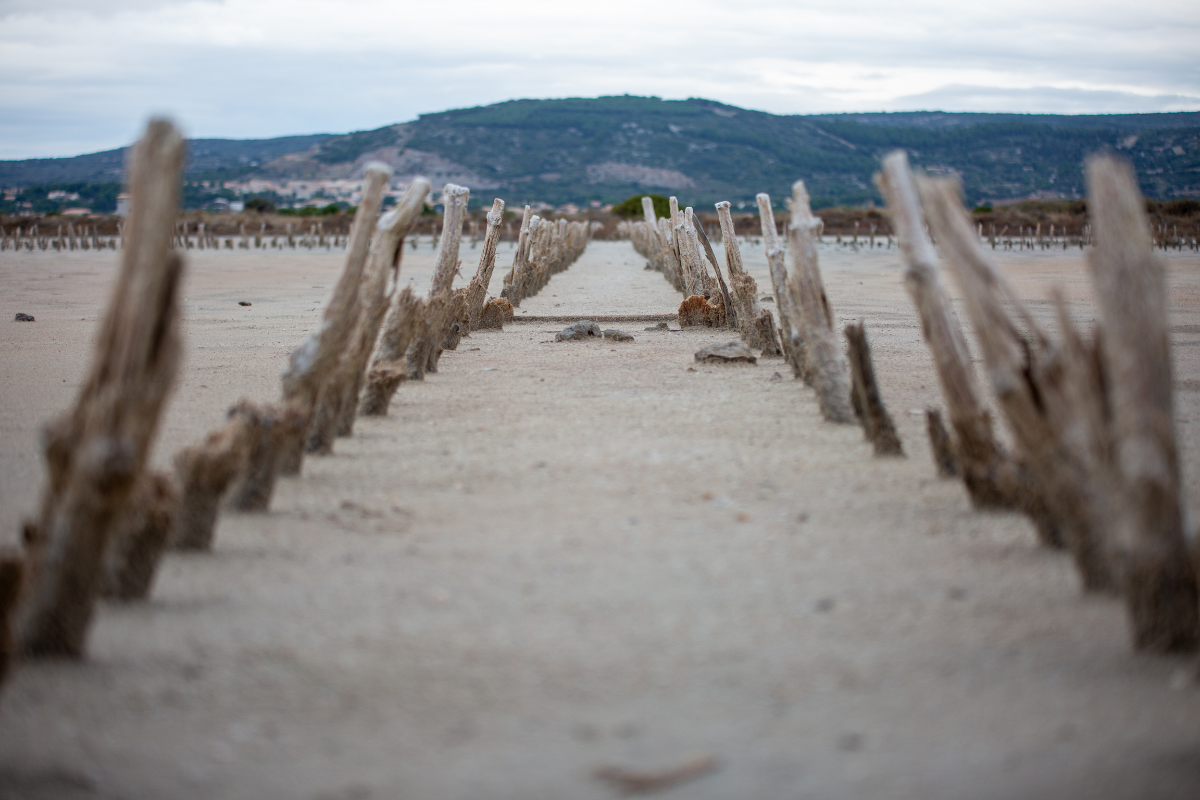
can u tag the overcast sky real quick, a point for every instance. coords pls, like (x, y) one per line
(74, 79)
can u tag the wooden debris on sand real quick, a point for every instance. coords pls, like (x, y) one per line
(634, 781)
(96, 453)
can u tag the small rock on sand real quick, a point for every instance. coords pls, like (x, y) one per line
(243, 302)
(580, 330)
(727, 353)
(614, 335)
(662, 326)
(24, 318)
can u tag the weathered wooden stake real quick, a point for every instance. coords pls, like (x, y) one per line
(96, 453)
(477, 291)
(824, 359)
(756, 330)
(993, 480)
(391, 367)
(428, 346)
(203, 473)
(314, 361)
(338, 406)
(1157, 575)
(139, 538)
(791, 338)
(877, 423)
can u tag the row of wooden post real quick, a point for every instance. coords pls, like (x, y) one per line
(1096, 464)
(544, 248)
(106, 518)
(679, 248)
(32, 239)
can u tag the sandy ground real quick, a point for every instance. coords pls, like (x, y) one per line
(552, 557)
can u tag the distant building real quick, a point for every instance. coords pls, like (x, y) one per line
(122, 205)
(237, 205)
(76, 212)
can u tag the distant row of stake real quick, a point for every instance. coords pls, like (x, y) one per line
(106, 519)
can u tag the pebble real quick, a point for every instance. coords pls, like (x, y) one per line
(580, 330)
(727, 353)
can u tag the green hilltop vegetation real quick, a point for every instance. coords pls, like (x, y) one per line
(608, 148)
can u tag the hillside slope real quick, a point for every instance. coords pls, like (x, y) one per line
(610, 147)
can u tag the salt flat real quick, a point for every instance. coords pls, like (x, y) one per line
(555, 556)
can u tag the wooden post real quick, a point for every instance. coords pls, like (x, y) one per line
(807, 291)
(1034, 388)
(744, 292)
(942, 446)
(203, 472)
(477, 291)
(510, 281)
(877, 423)
(313, 362)
(270, 429)
(338, 406)
(791, 339)
(428, 346)
(992, 479)
(1158, 579)
(391, 367)
(96, 453)
(138, 539)
(730, 313)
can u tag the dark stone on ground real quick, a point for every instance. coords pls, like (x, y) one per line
(243, 302)
(580, 330)
(615, 335)
(727, 353)
(24, 318)
(662, 326)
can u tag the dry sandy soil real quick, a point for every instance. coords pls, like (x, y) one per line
(552, 557)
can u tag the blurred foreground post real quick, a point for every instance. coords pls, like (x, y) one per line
(96, 453)
(1157, 576)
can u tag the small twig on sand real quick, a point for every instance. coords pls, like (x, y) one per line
(631, 781)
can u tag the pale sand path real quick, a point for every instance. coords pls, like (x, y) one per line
(555, 556)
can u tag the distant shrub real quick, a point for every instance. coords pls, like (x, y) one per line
(1181, 207)
(631, 207)
(330, 210)
(260, 204)
(986, 208)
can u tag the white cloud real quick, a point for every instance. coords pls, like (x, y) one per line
(75, 79)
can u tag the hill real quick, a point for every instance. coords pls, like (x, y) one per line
(606, 148)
